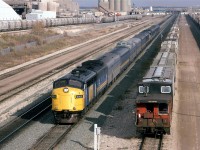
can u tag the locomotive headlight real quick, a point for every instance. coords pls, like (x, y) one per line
(65, 90)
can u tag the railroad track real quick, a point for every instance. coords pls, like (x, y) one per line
(10, 129)
(20, 88)
(151, 142)
(52, 138)
(19, 32)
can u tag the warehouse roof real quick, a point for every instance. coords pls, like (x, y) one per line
(7, 13)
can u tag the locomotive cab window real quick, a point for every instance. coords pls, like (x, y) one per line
(75, 83)
(165, 89)
(163, 108)
(143, 89)
(60, 83)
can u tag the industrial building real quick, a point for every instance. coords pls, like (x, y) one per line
(115, 5)
(60, 7)
(7, 12)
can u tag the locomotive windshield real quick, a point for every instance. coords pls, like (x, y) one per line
(143, 89)
(60, 83)
(154, 88)
(75, 83)
(165, 89)
(67, 82)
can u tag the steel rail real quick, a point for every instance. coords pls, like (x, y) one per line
(52, 138)
(155, 142)
(18, 123)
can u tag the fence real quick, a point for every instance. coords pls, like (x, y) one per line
(21, 47)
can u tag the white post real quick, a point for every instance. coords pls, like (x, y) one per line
(97, 132)
(95, 136)
(98, 137)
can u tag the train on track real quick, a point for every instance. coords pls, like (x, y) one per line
(154, 101)
(28, 24)
(73, 93)
(195, 18)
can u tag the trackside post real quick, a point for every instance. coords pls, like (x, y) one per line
(97, 133)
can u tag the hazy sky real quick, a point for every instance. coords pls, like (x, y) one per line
(148, 2)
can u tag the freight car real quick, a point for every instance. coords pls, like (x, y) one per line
(28, 24)
(154, 100)
(120, 18)
(73, 93)
(195, 18)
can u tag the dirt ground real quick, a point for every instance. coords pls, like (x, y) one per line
(186, 118)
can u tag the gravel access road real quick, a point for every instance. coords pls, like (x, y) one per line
(186, 111)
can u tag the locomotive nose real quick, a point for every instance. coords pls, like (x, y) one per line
(67, 99)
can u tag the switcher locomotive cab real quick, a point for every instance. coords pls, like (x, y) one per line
(154, 101)
(153, 108)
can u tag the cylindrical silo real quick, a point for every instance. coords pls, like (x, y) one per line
(57, 7)
(51, 6)
(73, 6)
(112, 5)
(43, 6)
(124, 5)
(129, 5)
(68, 5)
(77, 6)
(117, 5)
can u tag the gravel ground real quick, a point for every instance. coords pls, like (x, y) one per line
(26, 138)
(186, 104)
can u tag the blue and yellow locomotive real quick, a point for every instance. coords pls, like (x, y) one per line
(73, 93)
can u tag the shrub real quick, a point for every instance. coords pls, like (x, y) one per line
(38, 28)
